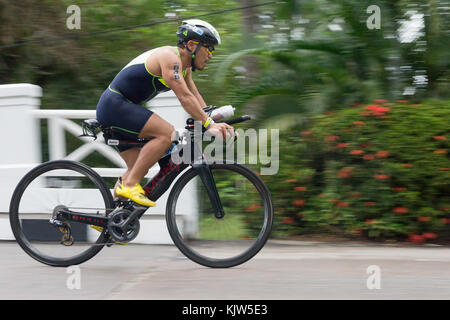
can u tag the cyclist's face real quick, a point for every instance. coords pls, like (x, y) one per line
(203, 56)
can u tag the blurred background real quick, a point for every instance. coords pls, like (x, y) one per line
(362, 105)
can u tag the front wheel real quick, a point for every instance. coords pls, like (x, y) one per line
(220, 242)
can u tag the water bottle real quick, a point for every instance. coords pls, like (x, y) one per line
(222, 112)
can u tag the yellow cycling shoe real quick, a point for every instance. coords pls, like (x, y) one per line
(100, 229)
(136, 194)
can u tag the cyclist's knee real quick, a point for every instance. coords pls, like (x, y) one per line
(169, 134)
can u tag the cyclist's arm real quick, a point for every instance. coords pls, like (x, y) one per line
(191, 85)
(172, 74)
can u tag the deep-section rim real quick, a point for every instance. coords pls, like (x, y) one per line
(214, 262)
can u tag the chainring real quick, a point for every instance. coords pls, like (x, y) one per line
(116, 229)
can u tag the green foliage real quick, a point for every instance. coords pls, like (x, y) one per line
(379, 171)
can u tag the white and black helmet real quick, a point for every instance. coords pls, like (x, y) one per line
(198, 30)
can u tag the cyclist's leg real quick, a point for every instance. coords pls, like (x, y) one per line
(129, 156)
(161, 133)
(126, 119)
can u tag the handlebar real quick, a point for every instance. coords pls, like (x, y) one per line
(238, 120)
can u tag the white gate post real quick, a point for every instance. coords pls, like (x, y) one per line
(19, 129)
(21, 142)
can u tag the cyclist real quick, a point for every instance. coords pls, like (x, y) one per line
(165, 68)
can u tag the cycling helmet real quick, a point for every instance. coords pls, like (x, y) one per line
(197, 30)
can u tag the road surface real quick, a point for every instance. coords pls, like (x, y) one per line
(283, 270)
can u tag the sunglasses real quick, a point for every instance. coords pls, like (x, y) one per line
(209, 48)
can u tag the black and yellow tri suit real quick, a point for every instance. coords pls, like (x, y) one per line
(121, 105)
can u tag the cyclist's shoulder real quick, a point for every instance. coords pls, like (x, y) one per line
(164, 54)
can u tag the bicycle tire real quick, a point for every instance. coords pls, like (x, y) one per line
(201, 259)
(18, 231)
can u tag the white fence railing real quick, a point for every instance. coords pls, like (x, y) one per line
(59, 122)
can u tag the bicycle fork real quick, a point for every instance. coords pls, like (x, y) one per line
(205, 174)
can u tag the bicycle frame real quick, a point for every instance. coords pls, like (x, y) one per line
(159, 184)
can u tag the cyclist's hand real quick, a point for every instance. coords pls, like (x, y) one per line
(221, 130)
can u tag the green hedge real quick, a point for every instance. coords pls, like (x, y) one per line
(378, 171)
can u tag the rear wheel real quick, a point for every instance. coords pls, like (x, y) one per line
(48, 188)
(220, 242)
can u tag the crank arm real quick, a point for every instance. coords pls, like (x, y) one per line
(136, 214)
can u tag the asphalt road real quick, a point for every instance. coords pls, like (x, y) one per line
(283, 270)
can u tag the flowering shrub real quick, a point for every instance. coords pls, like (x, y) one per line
(370, 171)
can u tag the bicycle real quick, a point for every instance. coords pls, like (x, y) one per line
(227, 224)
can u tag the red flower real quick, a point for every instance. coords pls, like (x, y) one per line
(402, 101)
(356, 152)
(306, 133)
(355, 195)
(342, 145)
(287, 221)
(372, 106)
(444, 169)
(359, 123)
(381, 176)
(400, 210)
(376, 110)
(382, 154)
(342, 204)
(370, 203)
(440, 151)
(368, 157)
(445, 220)
(416, 238)
(407, 165)
(429, 235)
(398, 189)
(345, 172)
(299, 203)
(331, 138)
(300, 215)
(300, 188)
(380, 100)
(290, 180)
(253, 208)
(423, 219)
(370, 221)
(440, 138)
